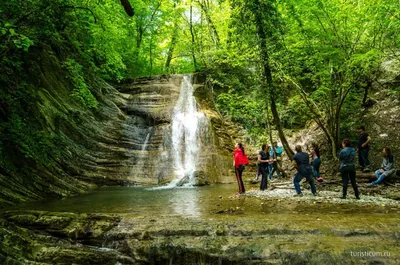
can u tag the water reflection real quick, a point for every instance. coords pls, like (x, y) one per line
(182, 201)
(185, 202)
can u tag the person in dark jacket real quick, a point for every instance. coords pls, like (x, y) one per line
(348, 167)
(239, 161)
(263, 163)
(304, 169)
(387, 167)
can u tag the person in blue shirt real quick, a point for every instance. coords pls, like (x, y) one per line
(303, 170)
(276, 157)
(348, 167)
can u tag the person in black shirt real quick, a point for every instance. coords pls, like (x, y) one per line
(304, 169)
(263, 160)
(363, 149)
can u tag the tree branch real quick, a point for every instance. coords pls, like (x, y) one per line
(128, 8)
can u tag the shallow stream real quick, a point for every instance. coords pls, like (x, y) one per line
(211, 225)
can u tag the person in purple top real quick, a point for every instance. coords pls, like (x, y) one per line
(304, 169)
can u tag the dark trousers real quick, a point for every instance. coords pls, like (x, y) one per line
(299, 176)
(238, 172)
(264, 178)
(363, 157)
(346, 175)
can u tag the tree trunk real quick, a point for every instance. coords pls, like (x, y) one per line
(139, 38)
(277, 120)
(151, 53)
(193, 39)
(270, 132)
(172, 46)
(366, 89)
(128, 8)
(270, 90)
(214, 33)
(278, 165)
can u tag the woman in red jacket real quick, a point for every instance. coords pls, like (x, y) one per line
(239, 160)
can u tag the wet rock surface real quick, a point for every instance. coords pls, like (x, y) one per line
(258, 227)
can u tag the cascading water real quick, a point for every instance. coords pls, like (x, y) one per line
(146, 141)
(186, 124)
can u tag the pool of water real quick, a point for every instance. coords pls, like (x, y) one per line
(207, 201)
(189, 201)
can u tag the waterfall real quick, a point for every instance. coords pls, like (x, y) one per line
(186, 124)
(146, 141)
(139, 163)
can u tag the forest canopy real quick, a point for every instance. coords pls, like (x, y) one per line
(270, 63)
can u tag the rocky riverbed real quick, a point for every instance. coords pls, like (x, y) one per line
(217, 227)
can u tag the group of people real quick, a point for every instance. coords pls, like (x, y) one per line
(387, 168)
(270, 158)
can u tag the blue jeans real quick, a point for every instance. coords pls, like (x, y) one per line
(316, 173)
(363, 157)
(298, 177)
(316, 164)
(272, 168)
(381, 176)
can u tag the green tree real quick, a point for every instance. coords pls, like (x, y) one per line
(330, 50)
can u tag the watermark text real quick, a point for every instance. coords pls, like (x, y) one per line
(369, 254)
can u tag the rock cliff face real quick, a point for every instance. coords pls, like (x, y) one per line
(125, 141)
(149, 105)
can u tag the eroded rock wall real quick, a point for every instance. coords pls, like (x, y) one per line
(149, 106)
(125, 141)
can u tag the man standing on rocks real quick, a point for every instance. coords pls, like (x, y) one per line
(303, 170)
(363, 149)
